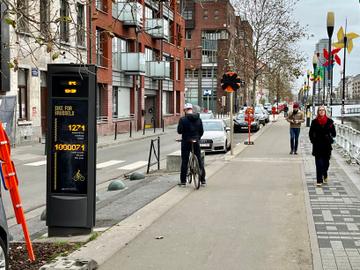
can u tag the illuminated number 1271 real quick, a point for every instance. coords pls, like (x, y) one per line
(76, 127)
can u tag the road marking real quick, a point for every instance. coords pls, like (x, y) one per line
(134, 165)
(37, 163)
(108, 163)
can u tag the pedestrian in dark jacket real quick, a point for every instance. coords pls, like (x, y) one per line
(295, 118)
(322, 133)
(191, 128)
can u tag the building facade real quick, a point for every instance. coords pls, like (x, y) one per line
(136, 46)
(217, 41)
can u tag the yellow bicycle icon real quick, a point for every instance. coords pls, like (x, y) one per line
(78, 177)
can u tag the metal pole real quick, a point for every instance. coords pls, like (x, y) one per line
(343, 93)
(313, 99)
(158, 153)
(231, 124)
(208, 101)
(200, 94)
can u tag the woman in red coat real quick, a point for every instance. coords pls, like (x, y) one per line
(322, 133)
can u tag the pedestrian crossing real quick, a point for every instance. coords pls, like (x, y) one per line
(102, 165)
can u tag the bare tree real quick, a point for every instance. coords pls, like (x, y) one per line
(41, 29)
(274, 34)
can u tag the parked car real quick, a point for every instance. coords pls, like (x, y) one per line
(4, 237)
(267, 114)
(216, 136)
(208, 115)
(260, 115)
(267, 107)
(241, 125)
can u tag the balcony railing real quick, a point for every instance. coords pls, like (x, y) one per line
(158, 69)
(133, 63)
(130, 13)
(158, 28)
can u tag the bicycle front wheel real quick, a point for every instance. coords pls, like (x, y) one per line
(195, 169)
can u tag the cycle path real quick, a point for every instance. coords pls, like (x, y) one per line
(251, 215)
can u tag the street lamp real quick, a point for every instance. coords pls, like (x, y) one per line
(307, 106)
(330, 21)
(314, 62)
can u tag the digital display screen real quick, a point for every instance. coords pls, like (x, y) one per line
(69, 146)
(70, 86)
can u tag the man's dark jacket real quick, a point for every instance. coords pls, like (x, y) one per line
(190, 127)
(321, 137)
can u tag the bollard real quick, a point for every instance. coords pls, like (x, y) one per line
(144, 127)
(115, 135)
(154, 125)
(130, 129)
(163, 124)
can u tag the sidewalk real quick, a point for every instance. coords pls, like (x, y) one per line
(250, 216)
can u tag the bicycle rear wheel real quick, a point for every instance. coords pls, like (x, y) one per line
(195, 172)
(189, 174)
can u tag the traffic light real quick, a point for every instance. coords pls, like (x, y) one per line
(230, 81)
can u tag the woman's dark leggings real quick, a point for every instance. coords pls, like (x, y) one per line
(322, 166)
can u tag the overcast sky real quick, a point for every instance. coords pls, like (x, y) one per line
(313, 13)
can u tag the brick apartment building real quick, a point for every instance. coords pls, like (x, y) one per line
(216, 41)
(138, 49)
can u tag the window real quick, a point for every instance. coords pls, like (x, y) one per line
(101, 5)
(149, 55)
(178, 70)
(64, 21)
(22, 15)
(100, 45)
(44, 17)
(22, 94)
(100, 94)
(118, 46)
(166, 102)
(187, 14)
(188, 34)
(80, 26)
(205, 16)
(216, 14)
(149, 13)
(123, 102)
(187, 54)
(115, 102)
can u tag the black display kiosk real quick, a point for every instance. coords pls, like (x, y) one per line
(71, 149)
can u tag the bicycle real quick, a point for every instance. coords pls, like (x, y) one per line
(193, 168)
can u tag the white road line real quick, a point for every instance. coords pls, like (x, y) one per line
(134, 165)
(108, 163)
(37, 163)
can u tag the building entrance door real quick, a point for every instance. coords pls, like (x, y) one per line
(150, 111)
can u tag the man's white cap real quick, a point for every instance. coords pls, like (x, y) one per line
(188, 106)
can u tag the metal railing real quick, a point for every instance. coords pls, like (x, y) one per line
(348, 139)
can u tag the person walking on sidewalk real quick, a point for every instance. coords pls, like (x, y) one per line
(322, 133)
(191, 128)
(295, 118)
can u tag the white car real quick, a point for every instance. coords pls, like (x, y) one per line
(216, 136)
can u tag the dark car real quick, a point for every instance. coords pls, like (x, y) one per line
(241, 125)
(4, 237)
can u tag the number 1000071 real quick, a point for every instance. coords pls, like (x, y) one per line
(69, 147)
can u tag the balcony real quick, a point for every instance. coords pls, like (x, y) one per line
(130, 13)
(157, 28)
(133, 63)
(158, 69)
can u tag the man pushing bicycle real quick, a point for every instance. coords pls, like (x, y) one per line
(191, 128)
